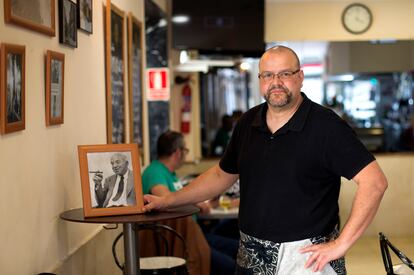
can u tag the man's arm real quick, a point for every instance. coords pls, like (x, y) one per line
(371, 187)
(209, 184)
(100, 191)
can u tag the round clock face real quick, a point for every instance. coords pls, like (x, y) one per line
(356, 18)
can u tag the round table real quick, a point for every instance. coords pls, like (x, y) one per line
(130, 242)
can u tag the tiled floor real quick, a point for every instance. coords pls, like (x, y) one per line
(364, 258)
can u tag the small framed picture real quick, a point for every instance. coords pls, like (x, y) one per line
(37, 15)
(68, 31)
(55, 72)
(110, 179)
(12, 91)
(85, 15)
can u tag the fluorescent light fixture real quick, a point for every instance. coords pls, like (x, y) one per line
(245, 66)
(344, 77)
(183, 57)
(191, 68)
(180, 19)
(201, 65)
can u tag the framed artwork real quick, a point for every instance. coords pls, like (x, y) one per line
(55, 72)
(12, 91)
(68, 31)
(115, 71)
(37, 15)
(110, 179)
(85, 15)
(135, 77)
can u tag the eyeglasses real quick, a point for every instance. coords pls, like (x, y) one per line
(269, 76)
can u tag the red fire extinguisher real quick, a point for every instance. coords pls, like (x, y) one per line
(186, 109)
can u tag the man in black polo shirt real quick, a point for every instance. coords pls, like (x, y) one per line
(289, 154)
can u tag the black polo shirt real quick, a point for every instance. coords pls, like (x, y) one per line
(290, 180)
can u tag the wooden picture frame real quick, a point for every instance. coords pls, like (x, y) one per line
(68, 31)
(114, 73)
(85, 12)
(12, 88)
(55, 80)
(135, 80)
(101, 168)
(37, 15)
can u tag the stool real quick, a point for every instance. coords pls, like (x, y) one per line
(162, 264)
(407, 266)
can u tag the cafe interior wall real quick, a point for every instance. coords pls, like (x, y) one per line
(40, 166)
(40, 170)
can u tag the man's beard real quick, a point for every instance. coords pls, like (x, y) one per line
(279, 99)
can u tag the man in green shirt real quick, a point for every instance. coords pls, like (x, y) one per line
(159, 179)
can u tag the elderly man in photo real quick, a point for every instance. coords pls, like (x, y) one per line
(118, 189)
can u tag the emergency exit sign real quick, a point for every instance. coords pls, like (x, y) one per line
(158, 84)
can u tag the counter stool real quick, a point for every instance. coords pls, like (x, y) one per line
(405, 268)
(163, 263)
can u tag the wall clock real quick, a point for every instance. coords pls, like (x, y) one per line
(357, 18)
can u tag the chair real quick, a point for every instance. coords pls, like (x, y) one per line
(162, 263)
(407, 266)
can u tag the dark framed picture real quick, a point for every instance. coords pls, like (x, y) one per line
(115, 71)
(68, 31)
(135, 77)
(12, 91)
(110, 179)
(85, 15)
(37, 15)
(55, 73)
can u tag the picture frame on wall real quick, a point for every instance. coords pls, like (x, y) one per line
(55, 75)
(37, 15)
(135, 80)
(68, 31)
(85, 8)
(114, 73)
(110, 179)
(12, 88)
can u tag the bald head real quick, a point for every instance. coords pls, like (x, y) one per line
(280, 50)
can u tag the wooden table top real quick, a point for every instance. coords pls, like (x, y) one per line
(76, 215)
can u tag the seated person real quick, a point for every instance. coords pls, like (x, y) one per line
(222, 137)
(160, 178)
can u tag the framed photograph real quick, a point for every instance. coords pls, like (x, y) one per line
(68, 31)
(85, 15)
(37, 15)
(135, 77)
(12, 91)
(110, 179)
(55, 72)
(115, 71)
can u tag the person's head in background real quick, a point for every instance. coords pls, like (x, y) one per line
(227, 123)
(236, 115)
(171, 148)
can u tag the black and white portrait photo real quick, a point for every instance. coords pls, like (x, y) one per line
(85, 15)
(56, 88)
(111, 179)
(13, 70)
(14, 88)
(67, 23)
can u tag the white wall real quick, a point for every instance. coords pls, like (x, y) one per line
(39, 166)
(287, 20)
